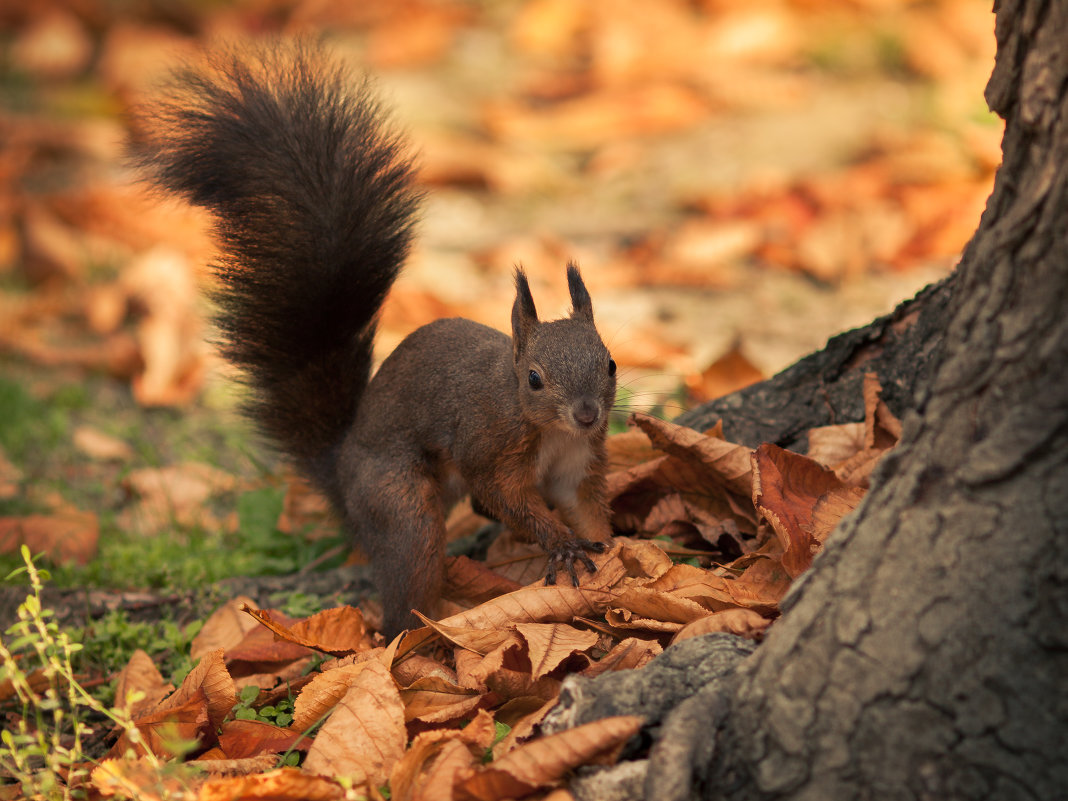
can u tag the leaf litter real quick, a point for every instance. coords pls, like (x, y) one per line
(451, 710)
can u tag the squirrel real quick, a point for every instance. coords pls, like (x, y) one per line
(314, 201)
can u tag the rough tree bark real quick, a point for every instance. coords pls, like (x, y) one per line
(925, 654)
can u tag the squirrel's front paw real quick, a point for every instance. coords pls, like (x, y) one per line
(567, 553)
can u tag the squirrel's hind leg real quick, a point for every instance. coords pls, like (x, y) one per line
(400, 524)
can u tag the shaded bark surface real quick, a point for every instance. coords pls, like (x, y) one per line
(924, 655)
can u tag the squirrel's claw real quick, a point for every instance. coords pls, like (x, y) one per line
(567, 554)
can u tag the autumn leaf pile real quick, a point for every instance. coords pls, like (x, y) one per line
(424, 713)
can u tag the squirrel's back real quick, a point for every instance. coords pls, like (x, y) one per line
(314, 202)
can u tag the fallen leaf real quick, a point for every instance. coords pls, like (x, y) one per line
(339, 631)
(628, 654)
(799, 498)
(547, 760)
(142, 676)
(240, 739)
(70, 536)
(364, 737)
(743, 622)
(549, 644)
(433, 699)
(284, 784)
(226, 628)
(97, 445)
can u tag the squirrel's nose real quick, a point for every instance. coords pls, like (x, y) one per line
(585, 411)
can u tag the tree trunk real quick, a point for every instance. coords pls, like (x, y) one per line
(925, 654)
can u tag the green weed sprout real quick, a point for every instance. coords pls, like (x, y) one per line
(44, 752)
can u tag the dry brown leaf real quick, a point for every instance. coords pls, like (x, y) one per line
(430, 768)
(628, 654)
(213, 763)
(365, 735)
(417, 666)
(473, 582)
(833, 445)
(339, 631)
(240, 739)
(173, 494)
(211, 676)
(547, 760)
(284, 784)
(762, 585)
(549, 644)
(142, 676)
(472, 669)
(480, 640)
(743, 622)
(643, 558)
(69, 536)
(436, 759)
(627, 449)
(161, 728)
(261, 650)
(540, 604)
(134, 778)
(787, 488)
(655, 605)
(720, 461)
(225, 628)
(730, 372)
(435, 700)
(323, 693)
(95, 444)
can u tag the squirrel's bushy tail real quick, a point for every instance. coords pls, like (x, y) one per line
(314, 203)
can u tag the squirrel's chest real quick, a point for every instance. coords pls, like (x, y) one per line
(562, 462)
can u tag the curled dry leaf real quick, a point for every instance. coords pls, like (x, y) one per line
(160, 730)
(656, 605)
(473, 582)
(140, 675)
(430, 769)
(211, 676)
(240, 739)
(284, 784)
(480, 640)
(720, 461)
(339, 631)
(323, 693)
(549, 644)
(226, 628)
(800, 499)
(434, 700)
(365, 735)
(436, 759)
(743, 622)
(643, 558)
(538, 604)
(545, 761)
(628, 654)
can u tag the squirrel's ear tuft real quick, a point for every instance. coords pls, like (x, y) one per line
(581, 305)
(524, 314)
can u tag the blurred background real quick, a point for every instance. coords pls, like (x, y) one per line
(738, 179)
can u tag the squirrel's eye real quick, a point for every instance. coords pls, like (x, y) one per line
(534, 380)
(611, 367)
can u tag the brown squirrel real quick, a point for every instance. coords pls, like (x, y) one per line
(314, 202)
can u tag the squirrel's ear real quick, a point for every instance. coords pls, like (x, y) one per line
(524, 315)
(581, 305)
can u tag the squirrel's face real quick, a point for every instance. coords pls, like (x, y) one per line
(566, 377)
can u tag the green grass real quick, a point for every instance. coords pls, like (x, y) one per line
(37, 422)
